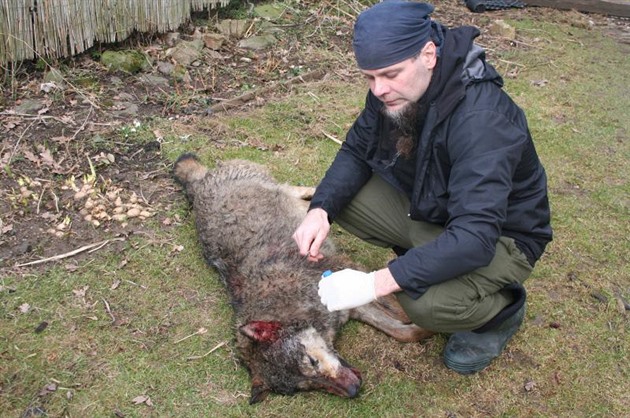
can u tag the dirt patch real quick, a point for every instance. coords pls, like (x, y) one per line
(80, 165)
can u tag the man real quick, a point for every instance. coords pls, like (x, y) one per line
(441, 167)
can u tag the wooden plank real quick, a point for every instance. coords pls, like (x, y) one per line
(606, 7)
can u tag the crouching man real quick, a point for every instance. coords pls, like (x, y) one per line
(441, 167)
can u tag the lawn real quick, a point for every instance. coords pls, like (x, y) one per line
(142, 326)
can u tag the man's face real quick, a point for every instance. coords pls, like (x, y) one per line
(402, 84)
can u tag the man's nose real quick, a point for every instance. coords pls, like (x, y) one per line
(379, 87)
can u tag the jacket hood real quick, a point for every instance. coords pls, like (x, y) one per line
(461, 63)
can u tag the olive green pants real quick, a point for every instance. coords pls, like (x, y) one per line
(379, 215)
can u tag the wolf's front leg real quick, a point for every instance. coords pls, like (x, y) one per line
(386, 315)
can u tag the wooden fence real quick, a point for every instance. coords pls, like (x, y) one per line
(62, 28)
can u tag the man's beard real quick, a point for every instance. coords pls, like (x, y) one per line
(406, 120)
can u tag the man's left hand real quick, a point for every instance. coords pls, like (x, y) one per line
(347, 289)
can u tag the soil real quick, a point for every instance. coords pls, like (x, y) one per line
(74, 172)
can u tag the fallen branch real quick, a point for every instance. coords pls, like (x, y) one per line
(241, 100)
(82, 127)
(200, 331)
(90, 248)
(109, 310)
(29, 116)
(332, 138)
(221, 344)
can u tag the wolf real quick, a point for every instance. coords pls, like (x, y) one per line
(284, 334)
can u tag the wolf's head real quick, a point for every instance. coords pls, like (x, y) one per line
(289, 358)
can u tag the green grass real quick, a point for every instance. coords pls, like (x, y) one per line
(570, 359)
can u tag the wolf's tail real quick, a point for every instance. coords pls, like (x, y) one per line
(188, 170)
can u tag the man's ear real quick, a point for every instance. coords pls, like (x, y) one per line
(429, 55)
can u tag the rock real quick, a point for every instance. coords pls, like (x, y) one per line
(171, 38)
(154, 80)
(165, 67)
(124, 96)
(126, 61)
(213, 41)
(180, 73)
(30, 106)
(48, 87)
(269, 11)
(187, 51)
(126, 109)
(215, 55)
(258, 42)
(268, 27)
(54, 76)
(502, 29)
(22, 249)
(233, 28)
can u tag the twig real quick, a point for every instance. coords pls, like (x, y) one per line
(332, 138)
(56, 200)
(200, 331)
(82, 127)
(221, 344)
(510, 62)
(241, 100)
(29, 116)
(109, 311)
(39, 201)
(17, 143)
(91, 248)
(135, 284)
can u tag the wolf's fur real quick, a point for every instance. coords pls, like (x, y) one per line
(285, 335)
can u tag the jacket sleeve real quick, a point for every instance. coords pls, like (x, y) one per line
(349, 170)
(485, 148)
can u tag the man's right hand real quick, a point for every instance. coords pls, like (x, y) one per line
(311, 234)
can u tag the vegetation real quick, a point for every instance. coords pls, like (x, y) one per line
(146, 330)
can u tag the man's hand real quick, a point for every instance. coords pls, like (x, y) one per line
(311, 233)
(347, 289)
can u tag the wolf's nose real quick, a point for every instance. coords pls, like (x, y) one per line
(353, 390)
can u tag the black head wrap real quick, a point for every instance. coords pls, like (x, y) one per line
(390, 32)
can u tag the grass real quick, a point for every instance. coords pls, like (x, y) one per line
(570, 359)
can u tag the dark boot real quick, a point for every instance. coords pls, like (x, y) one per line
(471, 351)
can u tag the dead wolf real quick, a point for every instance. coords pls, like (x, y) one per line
(285, 336)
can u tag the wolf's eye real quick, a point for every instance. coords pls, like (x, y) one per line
(313, 361)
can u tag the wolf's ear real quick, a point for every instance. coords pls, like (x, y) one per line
(262, 331)
(259, 391)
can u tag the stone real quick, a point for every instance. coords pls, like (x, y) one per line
(171, 38)
(258, 42)
(126, 61)
(154, 80)
(126, 109)
(269, 11)
(180, 73)
(54, 76)
(30, 107)
(233, 28)
(213, 41)
(187, 51)
(502, 29)
(165, 67)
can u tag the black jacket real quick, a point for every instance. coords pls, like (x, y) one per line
(476, 171)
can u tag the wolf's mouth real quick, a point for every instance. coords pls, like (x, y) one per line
(346, 384)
